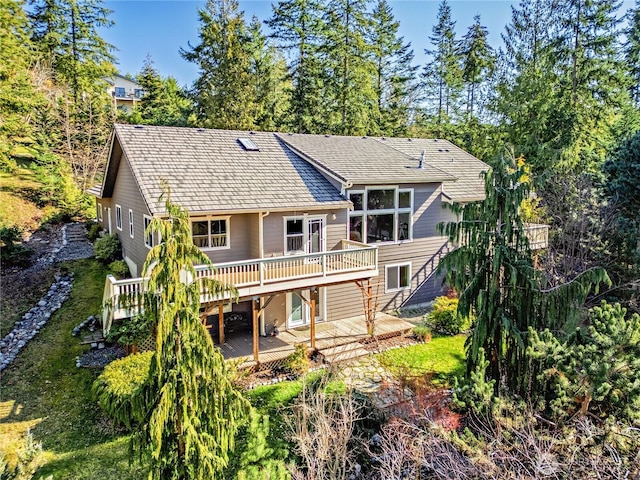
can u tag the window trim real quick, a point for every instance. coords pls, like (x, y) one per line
(118, 217)
(386, 277)
(100, 216)
(305, 231)
(150, 235)
(131, 224)
(396, 211)
(208, 219)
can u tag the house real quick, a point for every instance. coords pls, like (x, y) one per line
(309, 228)
(125, 93)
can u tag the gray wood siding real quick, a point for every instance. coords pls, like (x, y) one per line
(242, 229)
(274, 230)
(423, 252)
(127, 195)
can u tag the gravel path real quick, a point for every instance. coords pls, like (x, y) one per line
(68, 243)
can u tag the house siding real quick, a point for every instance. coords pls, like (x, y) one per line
(423, 252)
(127, 195)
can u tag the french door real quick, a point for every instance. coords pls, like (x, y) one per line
(299, 312)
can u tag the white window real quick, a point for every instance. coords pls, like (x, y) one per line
(148, 234)
(381, 214)
(305, 234)
(131, 223)
(397, 277)
(210, 232)
(99, 212)
(118, 217)
(294, 235)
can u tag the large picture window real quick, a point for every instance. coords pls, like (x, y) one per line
(210, 233)
(398, 277)
(381, 215)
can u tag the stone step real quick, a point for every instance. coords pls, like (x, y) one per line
(343, 353)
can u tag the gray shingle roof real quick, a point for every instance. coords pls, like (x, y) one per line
(364, 160)
(209, 171)
(444, 155)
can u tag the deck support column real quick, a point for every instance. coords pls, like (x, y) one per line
(221, 323)
(255, 312)
(313, 318)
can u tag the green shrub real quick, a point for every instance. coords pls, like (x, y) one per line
(132, 331)
(12, 251)
(119, 269)
(444, 318)
(422, 332)
(118, 386)
(298, 361)
(107, 248)
(93, 231)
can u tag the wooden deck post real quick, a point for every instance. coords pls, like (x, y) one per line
(255, 312)
(221, 323)
(313, 319)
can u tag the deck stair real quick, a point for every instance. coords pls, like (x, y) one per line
(343, 353)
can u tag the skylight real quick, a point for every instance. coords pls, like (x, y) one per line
(248, 145)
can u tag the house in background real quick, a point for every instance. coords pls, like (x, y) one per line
(125, 93)
(309, 228)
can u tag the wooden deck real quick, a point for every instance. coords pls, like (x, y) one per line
(328, 334)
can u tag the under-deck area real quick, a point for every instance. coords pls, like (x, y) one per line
(239, 344)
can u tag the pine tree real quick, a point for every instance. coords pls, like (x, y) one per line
(296, 26)
(493, 270)
(349, 94)
(164, 103)
(632, 51)
(395, 86)
(224, 90)
(442, 76)
(191, 410)
(18, 97)
(67, 33)
(478, 62)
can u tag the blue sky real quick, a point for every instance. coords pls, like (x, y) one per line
(161, 27)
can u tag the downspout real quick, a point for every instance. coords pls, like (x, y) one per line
(262, 216)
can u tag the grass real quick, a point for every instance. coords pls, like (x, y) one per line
(16, 207)
(442, 356)
(44, 391)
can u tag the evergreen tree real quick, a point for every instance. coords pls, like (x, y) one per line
(296, 27)
(395, 85)
(224, 91)
(632, 51)
(191, 410)
(493, 270)
(442, 76)
(478, 62)
(164, 102)
(67, 33)
(18, 98)
(268, 71)
(349, 94)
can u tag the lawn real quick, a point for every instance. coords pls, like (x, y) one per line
(442, 356)
(43, 390)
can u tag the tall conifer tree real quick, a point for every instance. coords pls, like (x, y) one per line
(395, 85)
(191, 411)
(295, 26)
(442, 75)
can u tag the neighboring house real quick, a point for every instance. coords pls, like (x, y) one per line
(125, 93)
(303, 225)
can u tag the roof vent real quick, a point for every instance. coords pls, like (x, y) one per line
(409, 139)
(138, 126)
(421, 162)
(248, 145)
(327, 135)
(200, 130)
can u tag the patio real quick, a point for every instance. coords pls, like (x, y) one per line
(238, 344)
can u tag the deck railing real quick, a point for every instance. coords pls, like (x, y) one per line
(538, 235)
(352, 257)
